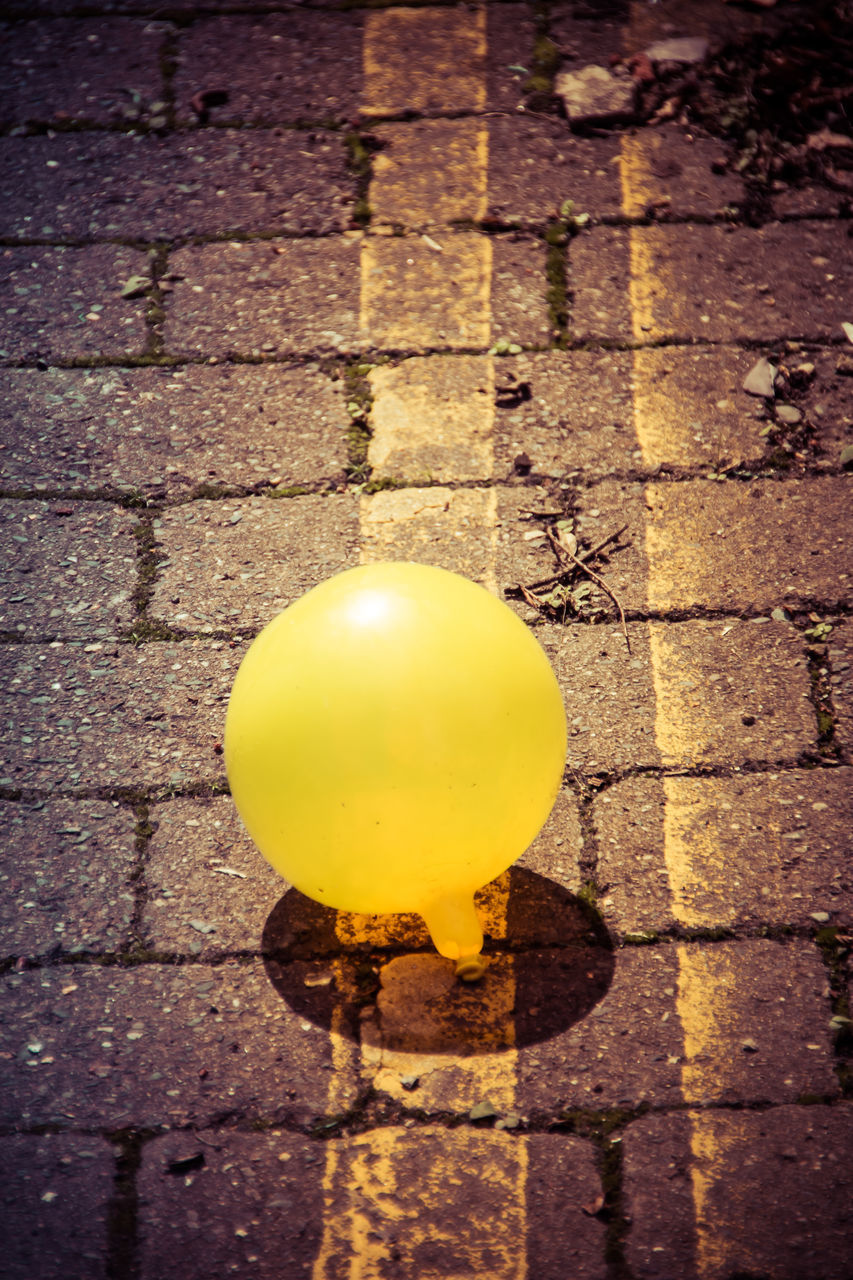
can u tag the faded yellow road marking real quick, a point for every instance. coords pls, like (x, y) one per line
(396, 1198)
(425, 60)
(434, 415)
(414, 297)
(704, 978)
(403, 190)
(401, 1202)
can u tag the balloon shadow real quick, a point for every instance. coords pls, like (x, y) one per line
(551, 960)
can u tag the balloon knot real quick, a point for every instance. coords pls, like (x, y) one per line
(471, 968)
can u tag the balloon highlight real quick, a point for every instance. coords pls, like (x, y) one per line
(394, 740)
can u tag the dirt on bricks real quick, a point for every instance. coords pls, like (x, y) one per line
(292, 288)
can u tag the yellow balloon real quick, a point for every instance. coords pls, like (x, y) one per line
(394, 740)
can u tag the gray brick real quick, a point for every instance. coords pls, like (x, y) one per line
(66, 569)
(64, 303)
(69, 885)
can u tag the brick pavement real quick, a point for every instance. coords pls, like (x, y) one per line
(287, 289)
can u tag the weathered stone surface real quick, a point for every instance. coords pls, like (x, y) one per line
(427, 62)
(476, 532)
(238, 563)
(403, 191)
(68, 887)
(714, 283)
(763, 849)
(690, 410)
(608, 695)
(64, 303)
(427, 1201)
(266, 298)
(66, 569)
(163, 431)
(246, 1202)
(657, 705)
(755, 1017)
(272, 69)
(158, 1044)
(55, 1192)
(100, 70)
(728, 696)
(117, 716)
(668, 171)
(208, 888)
(535, 167)
(433, 419)
(624, 1051)
(723, 1193)
(214, 182)
(721, 546)
(564, 1236)
(567, 411)
(498, 293)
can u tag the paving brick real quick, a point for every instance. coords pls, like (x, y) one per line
(208, 888)
(69, 886)
(274, 68)
(66, 569)
(575, 414)
(153, 1044)
(435, 1045)
(557, 850)
(424, 62)
(54, 1202)
(122, 716)
(731, 275)
(725, 1193)
(763, 849)
(608, 695)
(691, 409)
(564, 1237)
(265, 298)
(214, 182)
(840, 654)
(657, 1168)
(433, 419)
(238, 563)
(478, 533)
(755, 1017)
(624, 1051)
(102, 70)
(248, 1201)
(163, 431)
(753, 706)
(425, 1202)
(671, 170)
(773, 544)
(498, 292)
(65, 303)
(536, 165)
(403, 190)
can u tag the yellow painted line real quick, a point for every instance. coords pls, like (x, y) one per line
(705, 983)
(395, 1198)
(400, 1202)
(403, 190)
(416, 297)
(433, 419)
(453, 529)
(425, 60)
